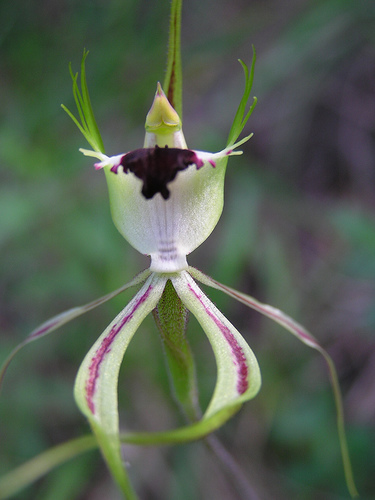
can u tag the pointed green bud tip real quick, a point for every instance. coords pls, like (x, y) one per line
(162, 117)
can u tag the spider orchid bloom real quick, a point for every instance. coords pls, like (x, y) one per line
(166, 200)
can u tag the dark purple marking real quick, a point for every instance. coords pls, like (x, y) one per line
(115, 168)
(212, 163)
(239, 357)
(104, 349)
(156, 167)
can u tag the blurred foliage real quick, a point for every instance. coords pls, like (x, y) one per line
(297, 232)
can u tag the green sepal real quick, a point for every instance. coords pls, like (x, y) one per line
(86, 122)
(242, 116)
(171, 318)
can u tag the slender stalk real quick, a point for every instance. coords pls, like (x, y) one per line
(40, 465)
(37, 467)
(231, 468)
(173, 77)
(171, 319)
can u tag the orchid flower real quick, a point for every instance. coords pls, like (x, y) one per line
(166, 199)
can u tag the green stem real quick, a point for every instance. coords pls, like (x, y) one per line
(349, 477)
(173, 79)
(231, 469)
(38, 466)
(171, 319)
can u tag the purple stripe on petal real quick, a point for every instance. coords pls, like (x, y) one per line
(273, 314)
(105, 348)
(238, 355)
(44, 329)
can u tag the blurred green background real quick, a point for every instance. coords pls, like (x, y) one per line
(297, 232)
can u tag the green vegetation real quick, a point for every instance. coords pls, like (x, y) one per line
(297, 232)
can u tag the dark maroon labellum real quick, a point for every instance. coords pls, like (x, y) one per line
(157, 166)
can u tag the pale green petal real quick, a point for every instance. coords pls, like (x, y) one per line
(97, 379)
(238, 375)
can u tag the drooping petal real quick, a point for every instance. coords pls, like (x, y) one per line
(238, 375)
(66, 316)
(304, 336)
(96, 384)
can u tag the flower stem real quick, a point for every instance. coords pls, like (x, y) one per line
(171, 319)
(40, 465)
(173, 78)
(231, 468)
